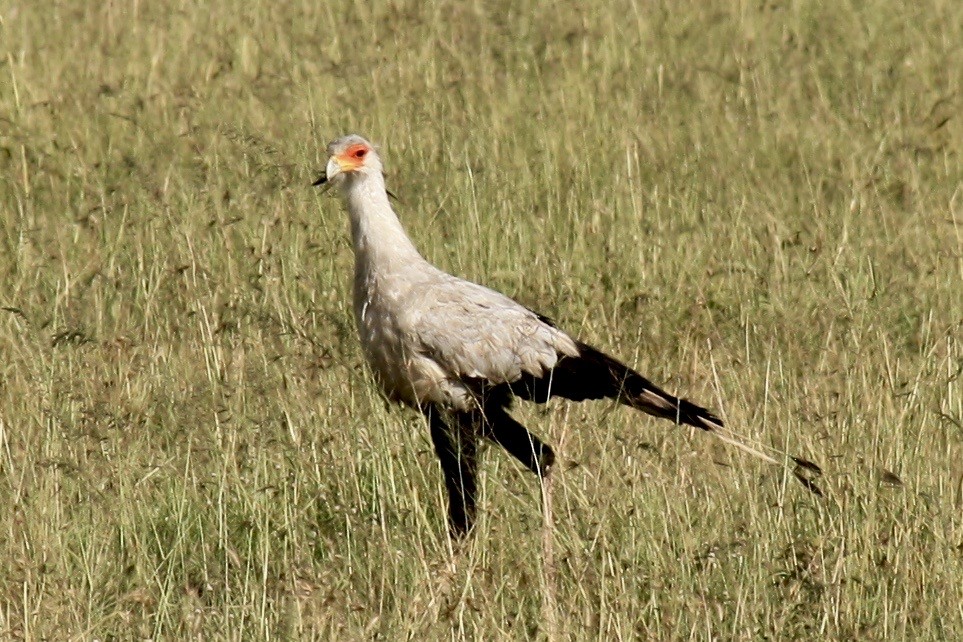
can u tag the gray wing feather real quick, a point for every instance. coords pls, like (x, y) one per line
(473, 332)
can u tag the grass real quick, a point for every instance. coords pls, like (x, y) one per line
(758, 204)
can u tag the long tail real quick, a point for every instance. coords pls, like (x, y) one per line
(595, 375)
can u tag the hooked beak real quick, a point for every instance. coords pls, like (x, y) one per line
(332, 170)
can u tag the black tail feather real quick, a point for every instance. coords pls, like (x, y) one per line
(595, 375)
(808, 465)
(808, 483)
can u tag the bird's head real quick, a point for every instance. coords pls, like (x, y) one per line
(349, 158)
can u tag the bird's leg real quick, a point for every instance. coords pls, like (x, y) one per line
(531, 451)
(457, 449)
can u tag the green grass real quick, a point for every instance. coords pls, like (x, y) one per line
(758, 204)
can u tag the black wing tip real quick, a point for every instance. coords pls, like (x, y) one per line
(631, 388)
(695, 415)
(549, 321)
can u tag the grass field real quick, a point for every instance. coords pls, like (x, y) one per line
(759, 204)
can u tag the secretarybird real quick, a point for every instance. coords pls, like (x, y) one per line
(460, 352)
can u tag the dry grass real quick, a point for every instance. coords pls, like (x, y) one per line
(759, 204)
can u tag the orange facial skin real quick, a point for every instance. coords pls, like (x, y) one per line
(352, 158)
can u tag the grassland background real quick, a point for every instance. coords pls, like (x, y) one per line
(758, 203)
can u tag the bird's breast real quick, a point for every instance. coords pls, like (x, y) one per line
(376, 314)
(404, 374)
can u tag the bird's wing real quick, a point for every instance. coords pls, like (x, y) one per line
(473, 332)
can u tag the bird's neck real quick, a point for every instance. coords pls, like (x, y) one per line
(380, 242)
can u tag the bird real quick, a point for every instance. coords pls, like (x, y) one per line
(460, 353)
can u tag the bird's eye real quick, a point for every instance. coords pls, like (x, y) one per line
(359, 153)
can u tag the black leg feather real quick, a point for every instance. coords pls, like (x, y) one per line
(456, 444)
(505, 431)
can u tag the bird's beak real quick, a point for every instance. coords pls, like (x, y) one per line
(332, 170)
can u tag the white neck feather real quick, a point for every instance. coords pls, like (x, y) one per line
(380, 243)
